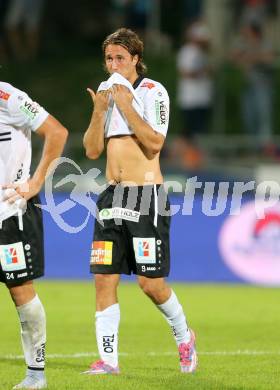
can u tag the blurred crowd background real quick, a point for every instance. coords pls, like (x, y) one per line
(219, 60)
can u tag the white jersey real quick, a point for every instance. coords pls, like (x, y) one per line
(19, 116)
(155, 100)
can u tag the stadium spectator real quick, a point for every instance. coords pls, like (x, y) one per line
(117, 13)
(21, 228)
(255, 57)
(130, 118)
(134, 14)
(254, 11)
(193, 10)
(23, 27)
(137, 12)
(3, 44)
(195, 93)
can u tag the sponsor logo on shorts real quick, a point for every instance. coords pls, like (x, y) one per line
(108, 343)
(4, 95)
(101, 252)
(145, 250)
(21, 275)
(118, 212)
(144, 268)
(12, 257)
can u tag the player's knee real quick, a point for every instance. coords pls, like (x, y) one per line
(106, 282)
(23, 293)
(148, 287)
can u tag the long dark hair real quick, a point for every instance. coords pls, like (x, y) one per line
(131, 42)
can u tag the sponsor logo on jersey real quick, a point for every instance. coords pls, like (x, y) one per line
(118, 212)
(29, 108)
(4, 95)
(145, 250)
(147, 84)
(108, 343)
(101, 252)
(12, 257)
(161, 112)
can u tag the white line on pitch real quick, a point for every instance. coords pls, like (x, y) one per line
(92, 354)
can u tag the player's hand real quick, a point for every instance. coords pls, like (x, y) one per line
(100, 100)
(122, 96)
(17, 192)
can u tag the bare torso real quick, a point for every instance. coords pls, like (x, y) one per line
(128, 163)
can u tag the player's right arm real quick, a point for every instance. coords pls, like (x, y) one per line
(94, 135)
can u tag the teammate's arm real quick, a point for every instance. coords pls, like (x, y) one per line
(55, 135)
(94, 136)
(146, 135)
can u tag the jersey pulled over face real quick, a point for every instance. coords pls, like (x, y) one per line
(118, 59)
(19, 116)
(154, 108)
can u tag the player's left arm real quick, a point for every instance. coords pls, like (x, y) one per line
(147, 129)
(55, 136)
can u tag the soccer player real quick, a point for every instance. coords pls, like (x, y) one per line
(21, 229)
(131, 239)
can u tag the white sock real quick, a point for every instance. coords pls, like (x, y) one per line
(35, 374)
(174, 315)
(33, 333)
(107, 327)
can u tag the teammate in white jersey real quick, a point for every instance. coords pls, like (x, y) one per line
(132, 227)
(21, 228)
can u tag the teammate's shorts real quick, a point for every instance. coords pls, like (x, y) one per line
(131, 232)
(22, 251)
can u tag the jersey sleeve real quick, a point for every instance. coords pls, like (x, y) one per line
(24, 112)
(103, 86)
(156, 109)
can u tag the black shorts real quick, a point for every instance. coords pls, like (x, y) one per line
(22, 251)
(131, 233)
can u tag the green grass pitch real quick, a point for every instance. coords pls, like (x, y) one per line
(237, 328)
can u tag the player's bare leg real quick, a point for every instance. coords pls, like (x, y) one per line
(166, 301)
